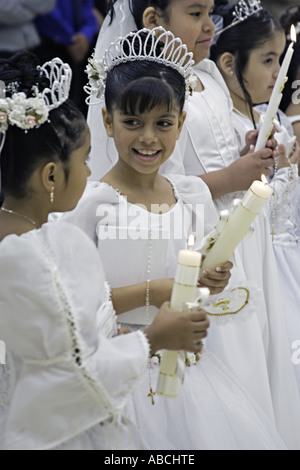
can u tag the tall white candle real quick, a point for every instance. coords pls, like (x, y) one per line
(237, 225)
(184, 290)
(276, 97)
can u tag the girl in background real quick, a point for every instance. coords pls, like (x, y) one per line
(250, 69)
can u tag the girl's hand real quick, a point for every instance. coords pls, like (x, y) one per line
(283, 160)
(295, 155)
(251, 139)
(216, 280)
(177, 330)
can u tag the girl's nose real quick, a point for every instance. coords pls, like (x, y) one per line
(148, 135)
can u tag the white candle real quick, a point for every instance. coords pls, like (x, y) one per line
(237, 225)
(184, 290)
(276, 97)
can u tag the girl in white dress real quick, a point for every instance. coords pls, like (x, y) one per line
(70, 373)
(127, 215)
(208, 147)
(255, 70)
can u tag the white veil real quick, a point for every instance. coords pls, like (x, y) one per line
(103, 152)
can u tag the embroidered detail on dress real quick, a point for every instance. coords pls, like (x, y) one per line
(231, 304)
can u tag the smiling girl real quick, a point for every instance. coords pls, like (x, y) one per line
(208, 148)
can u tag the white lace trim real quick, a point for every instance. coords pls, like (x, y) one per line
(75, 357)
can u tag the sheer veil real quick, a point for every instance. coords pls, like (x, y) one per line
(103, 152)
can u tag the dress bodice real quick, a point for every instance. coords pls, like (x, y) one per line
(132, 233)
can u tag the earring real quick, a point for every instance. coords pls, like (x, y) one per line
(52, 195)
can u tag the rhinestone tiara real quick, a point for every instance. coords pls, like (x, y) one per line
(134, 47)
(141, 45)
(242, 11)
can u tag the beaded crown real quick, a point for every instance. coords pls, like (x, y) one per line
(30, 112)
(156, 45)
(242, 11)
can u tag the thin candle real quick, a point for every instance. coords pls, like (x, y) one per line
(276, 97)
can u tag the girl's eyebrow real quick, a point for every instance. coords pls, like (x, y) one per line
(195, 5)
(269, 53)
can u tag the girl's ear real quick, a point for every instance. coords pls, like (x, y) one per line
(49, 176)
(150, 18)
(180, 124)
(226, 64)
(107, 121)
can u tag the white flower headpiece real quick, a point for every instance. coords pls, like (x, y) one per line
(135, 47)
(242, 11)
(27, 113)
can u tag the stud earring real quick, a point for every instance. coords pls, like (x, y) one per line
(52, 195)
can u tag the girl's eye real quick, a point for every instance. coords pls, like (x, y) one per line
(268, 61)
(164, 124)
(131, 122)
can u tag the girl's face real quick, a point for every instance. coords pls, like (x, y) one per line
(69, 193)
(190, 20)
(145, 141)
(263, 67)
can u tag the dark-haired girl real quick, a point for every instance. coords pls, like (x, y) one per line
(69, 373)
(208, 148)
(140, 220)
(250, 69)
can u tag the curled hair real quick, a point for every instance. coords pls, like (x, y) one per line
(242, 39)
(23, 152)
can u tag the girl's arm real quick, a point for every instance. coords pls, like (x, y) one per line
(134, 296)
(240, 174)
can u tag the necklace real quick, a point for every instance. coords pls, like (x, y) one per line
(19, 215)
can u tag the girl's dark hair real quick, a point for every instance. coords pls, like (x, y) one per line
(25, 151)
(241, 39)
(138, 7)
(291, 16)
(141, 85)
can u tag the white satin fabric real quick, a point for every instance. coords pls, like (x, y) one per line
(236, 341)
(72, 378)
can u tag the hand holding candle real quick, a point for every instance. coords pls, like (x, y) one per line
(276, 97)
(184, 291)
(238, 224)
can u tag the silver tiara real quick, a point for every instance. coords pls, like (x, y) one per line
(144, 44)
(30, 112)
(242, 11)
